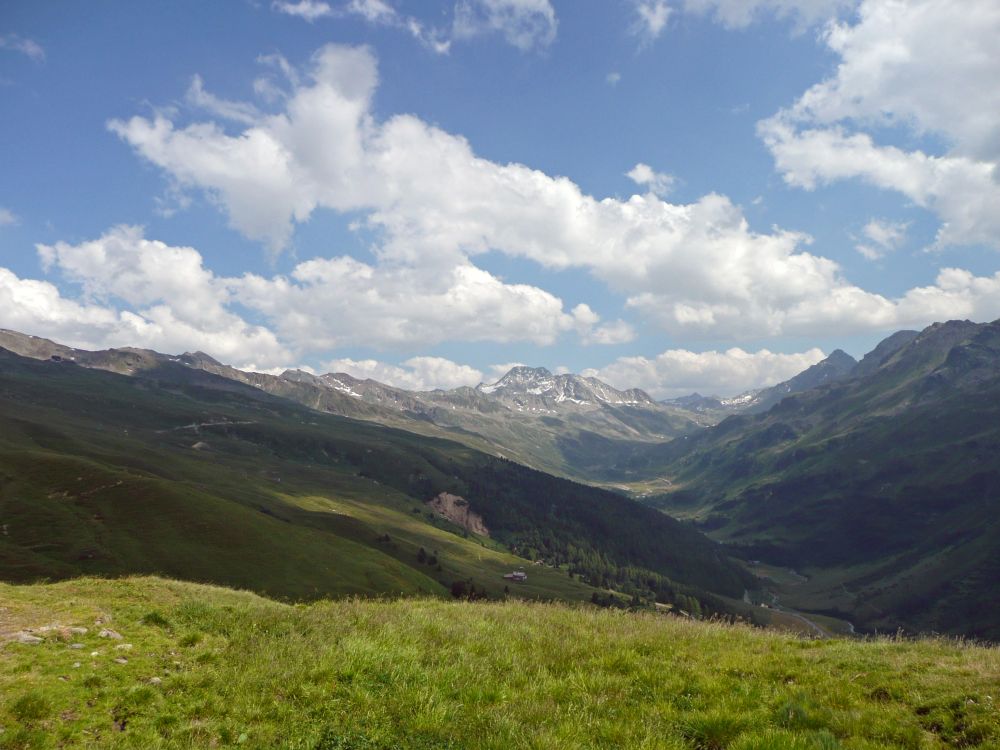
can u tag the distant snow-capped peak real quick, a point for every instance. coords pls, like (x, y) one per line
(524, 381)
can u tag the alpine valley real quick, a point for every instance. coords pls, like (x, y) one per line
(856, 495)
(500, 375)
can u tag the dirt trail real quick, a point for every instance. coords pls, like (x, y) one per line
(199, 425)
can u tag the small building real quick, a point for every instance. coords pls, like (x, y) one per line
(517, 575)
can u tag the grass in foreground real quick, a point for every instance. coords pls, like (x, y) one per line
(200, 666)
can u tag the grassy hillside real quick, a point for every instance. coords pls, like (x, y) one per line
(198, 666)
(194, 476)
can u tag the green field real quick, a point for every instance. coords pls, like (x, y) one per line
(200, 666)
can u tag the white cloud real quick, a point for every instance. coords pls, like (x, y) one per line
(613, 78)
(8, 218)
(887, 234)
(693, 269)
(526, 24)
(658, 183)
(279, 169)
(955, 294)
(309, 10)
(37, 307)
(586, 323)
(922, 67)
(964, 193)
(28, 47)
(651, 18)
(415, 374)
(172, 302)
(922, 64)
(678, 372)
(616, 332)
(327, 303)
(882, 236)
(741, 13)
(140, 292)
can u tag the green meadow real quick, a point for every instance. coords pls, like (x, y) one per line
(202, 666)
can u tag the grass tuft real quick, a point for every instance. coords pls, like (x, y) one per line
(30, 707)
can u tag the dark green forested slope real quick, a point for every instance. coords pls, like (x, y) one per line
(884, 487)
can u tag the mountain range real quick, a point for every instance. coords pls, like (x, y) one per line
(870, 487)
(566, 425)
(128, 461)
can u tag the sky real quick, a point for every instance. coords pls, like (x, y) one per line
(676, 195)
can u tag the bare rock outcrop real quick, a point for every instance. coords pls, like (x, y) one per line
(456, 509)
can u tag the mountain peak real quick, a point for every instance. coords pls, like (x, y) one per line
(520, 377)
(198, 358)
(883, 351)
(522, 383)
(526, 372)
(840, 356)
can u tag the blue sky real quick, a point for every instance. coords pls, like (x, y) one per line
(671, 194)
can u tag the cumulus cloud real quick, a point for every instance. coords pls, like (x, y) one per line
(415, 374)
(693, 269)
(917, 66)
(678, 372)
(325, 303)
(24, 46)
(328, 303)
(8, 218)
(587, 324)
(280, 168)
(38, 307)
(658, 183)
(140, 292)
(615, 332)
(172, 302)
(881, 237)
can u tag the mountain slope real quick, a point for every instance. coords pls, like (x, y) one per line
(885, 487)
(563, 424)
(837, 366)
(107, 473)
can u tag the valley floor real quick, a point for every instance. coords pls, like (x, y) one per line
(170, 664)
